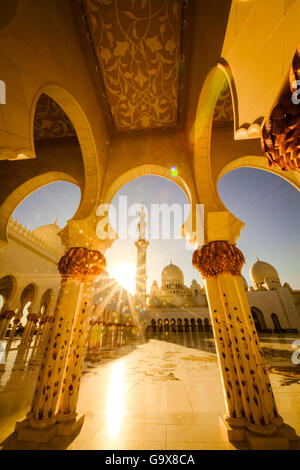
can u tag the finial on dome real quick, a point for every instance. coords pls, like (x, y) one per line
(55, 221)
(170, 260)
(257, 259)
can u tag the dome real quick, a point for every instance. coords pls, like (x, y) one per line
(49, 234)
(260, 271)
(172, 273)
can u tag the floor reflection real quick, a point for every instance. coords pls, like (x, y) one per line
(115, 399)
(202, 340)
(163, 394)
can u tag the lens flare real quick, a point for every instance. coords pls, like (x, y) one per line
(124, 274)
(174, 171)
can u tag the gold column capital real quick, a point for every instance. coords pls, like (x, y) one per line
(33, 317)
(80, 263)
(7, 315)
(218, 257)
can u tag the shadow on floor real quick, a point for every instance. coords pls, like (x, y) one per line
(62, 443)
(57, 443)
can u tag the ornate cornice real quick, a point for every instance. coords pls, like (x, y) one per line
(218, 257)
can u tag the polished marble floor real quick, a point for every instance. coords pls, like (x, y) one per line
(163, 394)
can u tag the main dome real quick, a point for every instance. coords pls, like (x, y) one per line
(261, 270)
(49, 234)
(172, 273)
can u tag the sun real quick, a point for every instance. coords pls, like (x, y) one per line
(124, 274)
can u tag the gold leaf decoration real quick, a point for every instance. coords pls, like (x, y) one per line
(218, 257)
(81, 264)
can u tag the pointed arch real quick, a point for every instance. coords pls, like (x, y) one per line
(92, 178)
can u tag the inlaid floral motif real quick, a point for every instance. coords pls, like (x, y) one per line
(137, 43)
(223, 112)
(50, 121)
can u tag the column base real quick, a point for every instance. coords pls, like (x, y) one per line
(69, 428)
(27, 433)
(230, 433)
(259, 442)
(284, 438)
(94, 357)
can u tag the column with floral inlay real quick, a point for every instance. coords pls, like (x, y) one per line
(248, 393)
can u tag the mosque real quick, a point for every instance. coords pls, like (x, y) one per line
(274, 307)
(98, 93)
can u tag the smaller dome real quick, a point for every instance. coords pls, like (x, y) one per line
(49, 234)
(172, 273)
(261, 270)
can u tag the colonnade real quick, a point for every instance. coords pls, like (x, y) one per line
(106, 336)
(53, 409)
(251, 413)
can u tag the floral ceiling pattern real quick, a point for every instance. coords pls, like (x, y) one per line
(50, 121)
(223, 114)
(137, 43)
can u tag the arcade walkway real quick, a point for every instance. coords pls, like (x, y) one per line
(159, 395)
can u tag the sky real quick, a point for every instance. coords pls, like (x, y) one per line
(56, 200)
(269, 206)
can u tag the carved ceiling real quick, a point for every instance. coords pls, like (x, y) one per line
(50, 121)
(137, 44)
(223, 114)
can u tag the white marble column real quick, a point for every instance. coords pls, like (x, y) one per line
(250, 403)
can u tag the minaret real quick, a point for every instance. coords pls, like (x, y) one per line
(141, 268)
